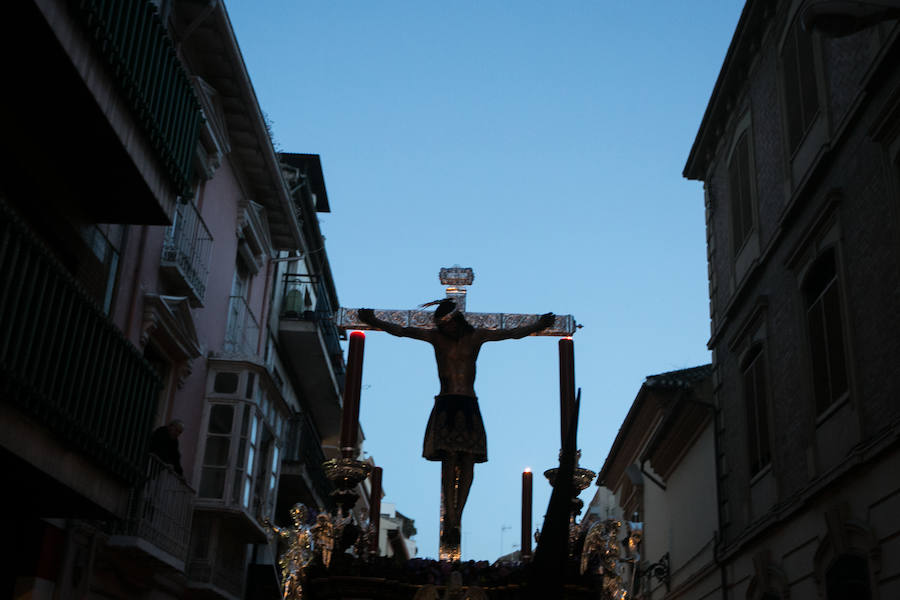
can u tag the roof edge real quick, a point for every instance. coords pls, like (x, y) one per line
(754, 12)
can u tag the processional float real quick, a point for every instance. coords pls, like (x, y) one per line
(596, 549)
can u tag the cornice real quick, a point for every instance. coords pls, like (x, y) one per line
(745, 43)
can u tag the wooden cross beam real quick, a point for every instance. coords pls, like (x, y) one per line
(457, 279)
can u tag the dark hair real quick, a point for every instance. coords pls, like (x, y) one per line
(446, 307)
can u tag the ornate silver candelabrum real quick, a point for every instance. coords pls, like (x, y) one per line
(346, 473)
(581, 479)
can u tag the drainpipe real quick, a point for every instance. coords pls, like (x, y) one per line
(261, 346)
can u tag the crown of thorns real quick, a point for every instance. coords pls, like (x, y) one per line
(445, 308)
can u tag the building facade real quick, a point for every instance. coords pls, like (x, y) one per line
(160, 262)
(661, 475)
(799, 154)
(395, 533)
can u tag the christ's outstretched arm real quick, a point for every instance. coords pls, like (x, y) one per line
(495, 335)
(367, 316)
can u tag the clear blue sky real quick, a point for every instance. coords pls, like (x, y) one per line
(542, 145)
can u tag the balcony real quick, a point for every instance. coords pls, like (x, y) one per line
(141, 58)
(216, 567)
(185, 254)
(311, 344)
(159, 517)
(302, 476)
(238, 468)
(63, 363)
(242, 331)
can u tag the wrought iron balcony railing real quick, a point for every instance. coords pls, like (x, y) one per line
(141, 57)
(297, 303)
(304, 446)
(227, 579)
(186, 250)
(242, 331)
(160, 510)
(64, 362)
(217, 557)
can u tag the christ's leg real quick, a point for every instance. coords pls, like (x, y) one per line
(456, 479)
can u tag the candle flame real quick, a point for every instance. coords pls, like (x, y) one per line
(527, 469)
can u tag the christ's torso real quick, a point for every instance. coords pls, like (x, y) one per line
(455, 359)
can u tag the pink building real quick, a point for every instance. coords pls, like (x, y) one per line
(155, 265)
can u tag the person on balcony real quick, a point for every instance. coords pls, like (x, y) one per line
(164, 444)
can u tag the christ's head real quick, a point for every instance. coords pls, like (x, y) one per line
(451, 321)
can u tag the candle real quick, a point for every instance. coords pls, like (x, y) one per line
(352, 386)
(566, 385)
(375, 507)
(526, 514)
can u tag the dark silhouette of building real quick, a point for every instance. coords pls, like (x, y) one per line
(799, 154)
(151, 244)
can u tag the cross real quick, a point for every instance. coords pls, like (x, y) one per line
(455, 434)
(457, 279)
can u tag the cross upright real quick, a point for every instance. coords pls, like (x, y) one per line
(457, 279)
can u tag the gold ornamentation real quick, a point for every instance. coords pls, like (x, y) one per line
(601, 555)
(581, 479)
(365, 542)
(299, 554)
(345, 472)
(323, 538)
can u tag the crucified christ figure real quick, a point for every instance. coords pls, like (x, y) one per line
(455, 432)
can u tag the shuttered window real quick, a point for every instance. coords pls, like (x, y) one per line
(755, 394)
(739, 173)
(826, 336)
(801, 92)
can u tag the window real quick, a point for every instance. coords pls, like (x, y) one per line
(163, 367)
(800, 90)
(246, 461)
(99, 262)
(754, 384)
(216, 453)
(267, 469)
(826, 338)
(739, 174)
(226, 383)
(241, 456)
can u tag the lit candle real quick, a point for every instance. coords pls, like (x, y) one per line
(566, 385)
(352, 386)
(375, 506)
(526, 513)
